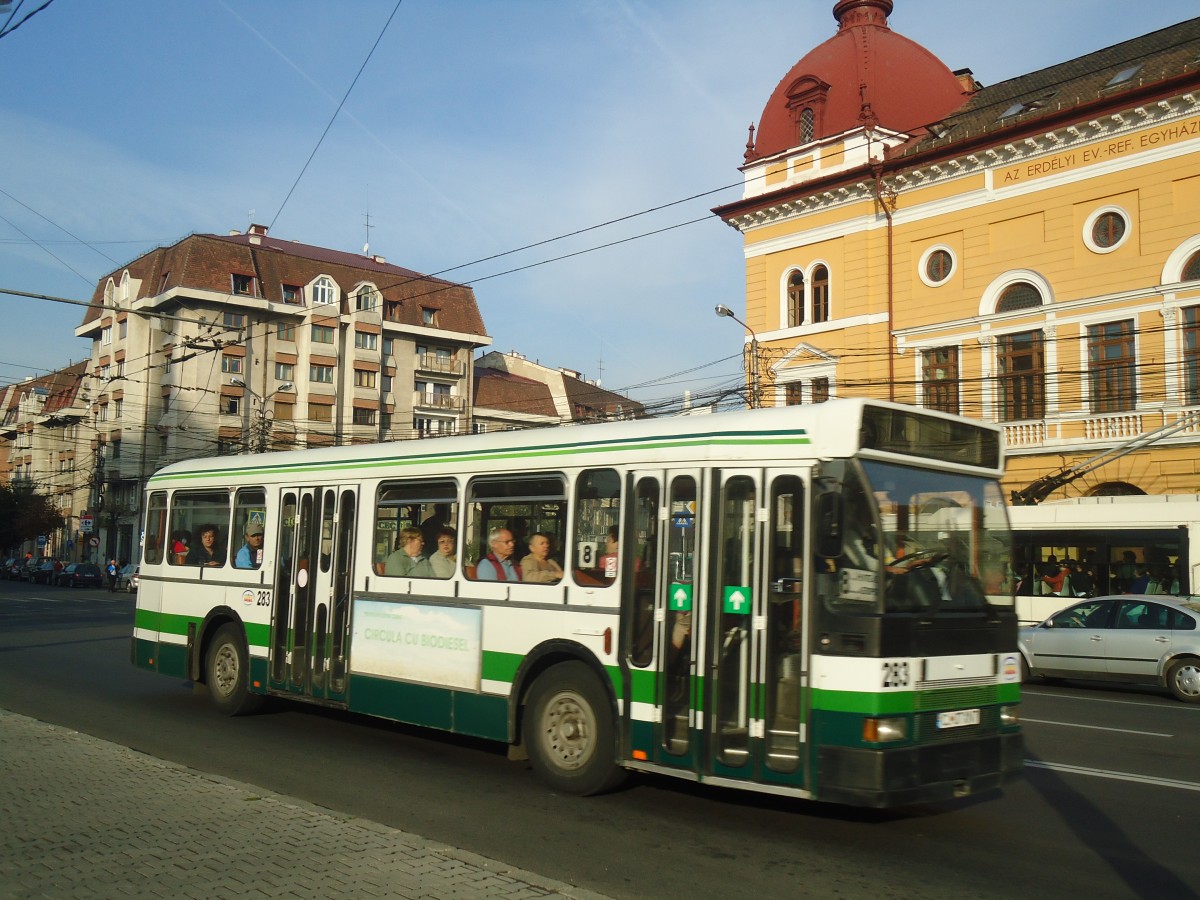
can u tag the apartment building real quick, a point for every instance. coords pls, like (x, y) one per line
(245, 342)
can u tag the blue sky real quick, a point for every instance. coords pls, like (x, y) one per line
(476, 128)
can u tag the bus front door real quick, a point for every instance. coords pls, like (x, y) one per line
(310, 626)
(755, 659)
(659, 548)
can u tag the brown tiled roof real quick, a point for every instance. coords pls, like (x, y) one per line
(63, 386)
(588, 400)
(207, 261)
(496, 389)
(1065, 91)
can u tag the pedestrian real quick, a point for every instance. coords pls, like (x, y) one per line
(112, 570)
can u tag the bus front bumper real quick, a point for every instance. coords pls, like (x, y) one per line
(913, 775)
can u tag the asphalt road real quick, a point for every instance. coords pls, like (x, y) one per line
(1108, 806)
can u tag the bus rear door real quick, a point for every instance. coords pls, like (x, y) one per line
(310, 622)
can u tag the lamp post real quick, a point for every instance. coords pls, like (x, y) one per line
(752, 361)
(261, 427)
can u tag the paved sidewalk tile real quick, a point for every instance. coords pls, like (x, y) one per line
(86, 818)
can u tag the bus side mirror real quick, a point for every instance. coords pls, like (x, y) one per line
(828, 525)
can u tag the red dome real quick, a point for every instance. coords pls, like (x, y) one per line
(864, 73)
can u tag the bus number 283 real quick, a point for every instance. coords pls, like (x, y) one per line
(895, 674)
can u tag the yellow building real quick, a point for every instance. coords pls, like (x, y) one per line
(1025, 253)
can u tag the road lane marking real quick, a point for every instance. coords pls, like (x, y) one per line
(1185, 707)
(1116, 776)
(1097, 727)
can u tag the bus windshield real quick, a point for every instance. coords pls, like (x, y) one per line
(943, 538)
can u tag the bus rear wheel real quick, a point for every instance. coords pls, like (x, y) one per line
(227, 673)
(568, 731)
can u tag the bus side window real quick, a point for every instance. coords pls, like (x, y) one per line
(416, 529)
(156, 527)
(191, 513)
(249, 536)
(597, 539)
(503, 515)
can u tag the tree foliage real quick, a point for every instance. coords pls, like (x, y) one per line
(24, 514)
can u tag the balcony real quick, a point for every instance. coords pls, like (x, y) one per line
(441, 365)
(444, 402)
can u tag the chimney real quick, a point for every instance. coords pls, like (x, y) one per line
(260, 230)
(967, 79)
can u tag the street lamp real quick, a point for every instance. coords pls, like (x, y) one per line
(261, 429)
(752, 361)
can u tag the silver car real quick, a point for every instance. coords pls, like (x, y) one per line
(1132, 638)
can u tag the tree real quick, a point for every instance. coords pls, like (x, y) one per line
(24, 514)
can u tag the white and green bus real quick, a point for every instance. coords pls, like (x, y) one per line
(804, 601)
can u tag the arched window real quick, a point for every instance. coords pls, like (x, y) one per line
(807, 124)
(1021, 295)
(1115, 489)
(324, 292)
(1191, 271)
(820, 294)
(795, 299)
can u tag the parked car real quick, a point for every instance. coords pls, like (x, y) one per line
(128, 579)
(9, 569)
(81, 575)
(1129, 638)
(42, 573)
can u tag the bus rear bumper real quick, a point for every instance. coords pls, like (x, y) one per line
(912, 775)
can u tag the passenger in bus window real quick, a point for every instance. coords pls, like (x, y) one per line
(444, 561)
(207, 549)
(498, 564)
(407, 560)
(612, 548)
(538, 566)
(249, 556)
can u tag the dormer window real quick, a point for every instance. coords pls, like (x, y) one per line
(292, 294)
(324, 292)
(244, 285)
(429, 316)
(806, 101)
(1124, 76)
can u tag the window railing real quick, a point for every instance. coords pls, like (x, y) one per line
(437, 401)
(446, 365)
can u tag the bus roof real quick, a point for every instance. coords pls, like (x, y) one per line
(814, 431)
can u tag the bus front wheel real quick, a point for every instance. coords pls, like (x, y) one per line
(568, 731)
(227, 673)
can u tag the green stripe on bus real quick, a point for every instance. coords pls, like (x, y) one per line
(170, 623)
(722, 439)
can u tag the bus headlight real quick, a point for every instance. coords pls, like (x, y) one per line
(882, 730)
(1010, 716)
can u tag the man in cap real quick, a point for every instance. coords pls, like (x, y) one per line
(250, 555)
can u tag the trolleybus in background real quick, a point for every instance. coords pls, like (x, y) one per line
(1108, 544)
(803, 601)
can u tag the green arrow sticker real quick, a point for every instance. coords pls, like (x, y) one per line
(737, 599)
(680, 598)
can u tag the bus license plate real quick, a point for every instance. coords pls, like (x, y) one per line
(958, 718)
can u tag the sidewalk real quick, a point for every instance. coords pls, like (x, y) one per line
(85, 818)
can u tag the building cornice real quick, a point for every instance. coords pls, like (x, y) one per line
(900, 174)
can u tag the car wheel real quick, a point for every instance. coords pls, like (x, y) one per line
(568, 731)
(1183, 678)
(227, 673)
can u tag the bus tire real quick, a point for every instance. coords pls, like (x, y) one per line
(568, 731)
(227, 672)
(1183, 678)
